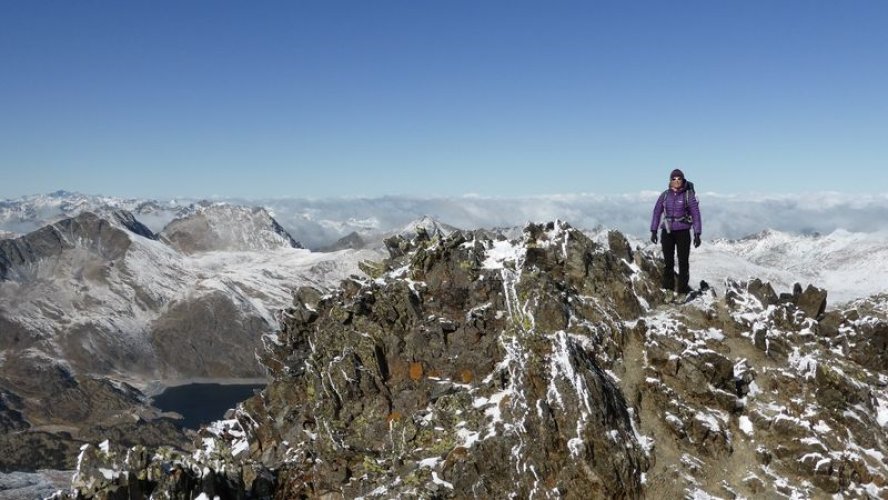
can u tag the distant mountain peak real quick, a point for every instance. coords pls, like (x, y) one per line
(223, 226)
(431, 225)
(61, 193)
(352, 241)
(107, 237)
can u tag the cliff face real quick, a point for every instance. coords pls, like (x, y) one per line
(466, 369)
(543, 367)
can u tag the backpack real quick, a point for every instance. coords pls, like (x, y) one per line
(689, 188)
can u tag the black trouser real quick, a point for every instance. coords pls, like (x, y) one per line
(682, 240)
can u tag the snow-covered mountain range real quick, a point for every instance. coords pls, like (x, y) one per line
(243, 254)
(29, 213)
(97, 288)
(107, 295)
(319, 223)
(848, 264)
(97, 306)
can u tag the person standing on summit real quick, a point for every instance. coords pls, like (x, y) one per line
(676, 212)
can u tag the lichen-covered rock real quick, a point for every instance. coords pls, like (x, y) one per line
(547, 367)
(468, 369)
(797, 415)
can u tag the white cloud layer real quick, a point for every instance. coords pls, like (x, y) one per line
(319, 222)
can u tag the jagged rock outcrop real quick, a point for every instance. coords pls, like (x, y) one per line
(812, 301)
(466, 375)
(544, 367)
(467, 369)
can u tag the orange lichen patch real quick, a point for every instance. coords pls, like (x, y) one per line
(415, 371)
(397, 366)
(394, 417)
(458, 454)
(466, 376)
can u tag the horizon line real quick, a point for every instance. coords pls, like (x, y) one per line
(760, 196)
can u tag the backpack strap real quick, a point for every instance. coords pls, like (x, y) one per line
(688, 217)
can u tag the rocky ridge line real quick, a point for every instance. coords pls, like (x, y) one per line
(545, 367)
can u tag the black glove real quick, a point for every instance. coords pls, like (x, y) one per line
(653, 236)
(696, 240)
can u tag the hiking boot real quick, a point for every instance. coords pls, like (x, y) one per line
(670, 296)
(681, 297)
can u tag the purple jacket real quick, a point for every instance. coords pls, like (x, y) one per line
(673, 205)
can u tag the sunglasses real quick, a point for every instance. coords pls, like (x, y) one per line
(677, 178)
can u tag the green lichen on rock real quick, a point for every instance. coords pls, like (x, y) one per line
(547, 368)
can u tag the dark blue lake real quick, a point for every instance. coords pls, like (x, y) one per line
(203, 403)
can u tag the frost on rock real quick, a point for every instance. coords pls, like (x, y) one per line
(773, 383)
(548, 367)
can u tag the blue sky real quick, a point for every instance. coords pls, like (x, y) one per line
(508, 99)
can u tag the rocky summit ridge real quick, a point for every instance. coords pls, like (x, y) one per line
(544, 367)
